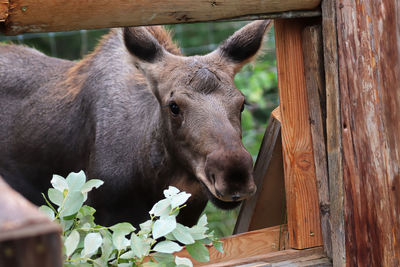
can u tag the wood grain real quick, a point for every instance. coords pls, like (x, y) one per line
(333, 125)
(266, 208)
(315, 85)
(246, 245)
(306, 257)
(369, 71)
(3, 10)
(47, 15)
(27, 236)
(300, 182)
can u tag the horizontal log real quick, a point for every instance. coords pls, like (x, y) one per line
(48, 16)
(245, 245)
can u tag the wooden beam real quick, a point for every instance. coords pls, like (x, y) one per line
(306, 257)
(315, 85)
(334, 135)
(267, 207)
(3, 10)
(246, 245)
(27, 236)
(369, 71)
(46, 15)
(300, 182)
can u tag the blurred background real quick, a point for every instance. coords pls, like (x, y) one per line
(258, 80)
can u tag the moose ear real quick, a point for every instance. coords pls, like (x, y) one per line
(244, 44)
(142, 44)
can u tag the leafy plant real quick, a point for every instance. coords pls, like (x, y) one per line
(89, 244)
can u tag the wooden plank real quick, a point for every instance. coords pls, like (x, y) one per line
(3, 10)
(369, 71)
(266, 208)
(245, 245)
(333, 125)
(300, 182)
(288, 257)
(315, 85)
(27, 236)
(46, 15)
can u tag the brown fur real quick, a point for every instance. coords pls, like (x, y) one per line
(134, 113)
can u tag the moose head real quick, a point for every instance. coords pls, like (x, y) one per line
(201, 108)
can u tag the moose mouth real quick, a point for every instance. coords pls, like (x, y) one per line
(213, 195)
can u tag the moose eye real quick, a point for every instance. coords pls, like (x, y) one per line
(174, 108)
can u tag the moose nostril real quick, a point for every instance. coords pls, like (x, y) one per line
(236, 197)
(213, 178)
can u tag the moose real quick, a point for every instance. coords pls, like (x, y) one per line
(135, 113)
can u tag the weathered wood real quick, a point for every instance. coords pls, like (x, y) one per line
(300, 183)
(315, 85)
(265, 209)
(369, 71)
(333, 125)
(246, 245)
(45, 15)
(27, 236)
(3, 10)
(289, 257)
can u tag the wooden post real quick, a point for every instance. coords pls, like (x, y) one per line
(266, 208)
(315, 86)
(300, 182)
(27, 236)
(48, 15)
(334, 139)
(369, 71)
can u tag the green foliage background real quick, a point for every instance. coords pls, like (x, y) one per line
(258, 81)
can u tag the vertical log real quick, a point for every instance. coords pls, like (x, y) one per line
(369, 71)
(300, 183)
(333, 125)
(313, 64)
(27, 236)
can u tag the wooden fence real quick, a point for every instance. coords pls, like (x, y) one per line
(334, 143)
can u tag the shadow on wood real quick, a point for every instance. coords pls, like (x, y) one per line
(27, 236)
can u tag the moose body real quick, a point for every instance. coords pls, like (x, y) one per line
(134, 113)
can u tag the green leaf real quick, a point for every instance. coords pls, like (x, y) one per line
(139, 246)
(162, 208)
(59, 183)
(127, 255)
(55, 196)
(198, 251)
(179, 199)
(73, 202)
(218, 245)
(89, 185)
(49, 212)
(183, 261)
(123, 227)
(198, 232)
(163, 257)
(202, 221)
(86, 211)
(76, 181)
(106, 247)
(71, 242)
(66, 224)
(171, 191)
(182, 234)
(167, 247)
(92, 243)
(164, 226)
